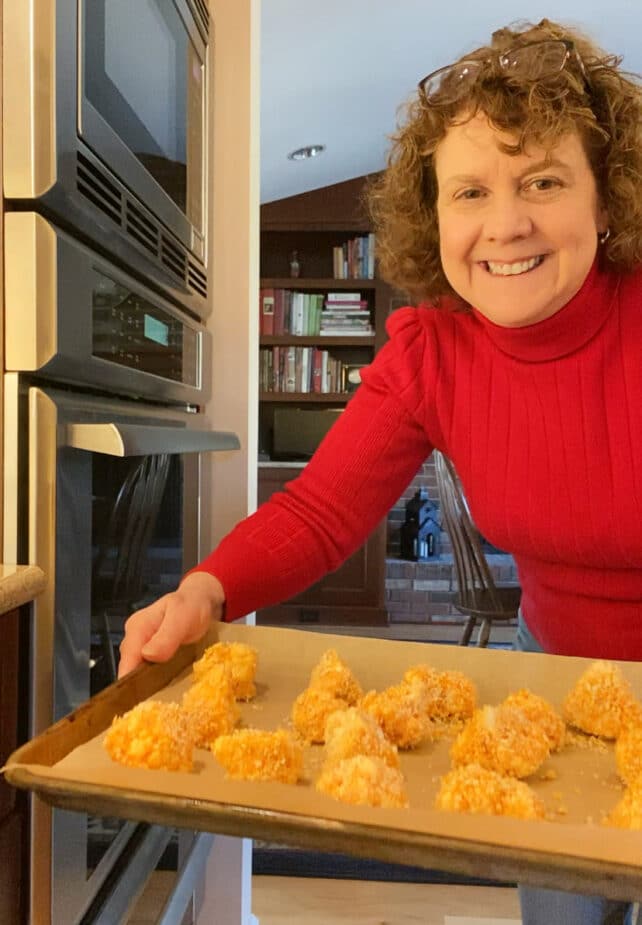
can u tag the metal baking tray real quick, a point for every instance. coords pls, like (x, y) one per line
(67, 767)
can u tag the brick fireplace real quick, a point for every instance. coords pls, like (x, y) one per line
(421, 592)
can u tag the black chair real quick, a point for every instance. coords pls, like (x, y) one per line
(118, 578)
(477, 595)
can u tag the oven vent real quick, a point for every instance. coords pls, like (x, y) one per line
(140, 228)
(97, 188)
(201, 8)
(95, 185)
(196, 279)
(173, 258)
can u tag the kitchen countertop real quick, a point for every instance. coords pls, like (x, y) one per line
(19, 584)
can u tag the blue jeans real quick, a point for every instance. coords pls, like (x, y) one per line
(556, 907)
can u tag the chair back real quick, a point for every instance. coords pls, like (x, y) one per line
(476, 588)
(118, 569)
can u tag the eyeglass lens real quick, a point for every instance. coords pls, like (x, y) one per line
(535, 61)
(452, 82)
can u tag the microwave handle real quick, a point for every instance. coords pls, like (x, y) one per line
(145, 439)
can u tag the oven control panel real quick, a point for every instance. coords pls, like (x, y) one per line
(130, 330)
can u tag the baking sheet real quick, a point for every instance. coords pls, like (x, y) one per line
(574, 851)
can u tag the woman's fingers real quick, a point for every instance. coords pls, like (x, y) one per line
(183, 616)
(140, 628)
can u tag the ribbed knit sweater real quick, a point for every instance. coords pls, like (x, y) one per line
(544, 426)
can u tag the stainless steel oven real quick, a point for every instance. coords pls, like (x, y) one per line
(105, 103)
(103, 441)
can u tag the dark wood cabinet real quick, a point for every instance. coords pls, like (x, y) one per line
(13, 804)
(353, 595)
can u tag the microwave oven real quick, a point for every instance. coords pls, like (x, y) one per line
(107, 100)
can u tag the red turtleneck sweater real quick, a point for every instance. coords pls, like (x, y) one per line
(544, 426)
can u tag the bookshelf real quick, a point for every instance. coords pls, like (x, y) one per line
(314, 224)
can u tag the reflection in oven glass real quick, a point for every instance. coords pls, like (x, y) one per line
(137, 555)
(155, 110)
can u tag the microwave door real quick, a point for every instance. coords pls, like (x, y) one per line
(145, 105)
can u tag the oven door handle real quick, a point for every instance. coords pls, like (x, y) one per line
(145, 439)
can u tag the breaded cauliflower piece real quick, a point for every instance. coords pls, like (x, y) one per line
(310, 712)
(353, 732)
(210, 706)
(473, 789)
(501, 739)
(458, 696)
(331, 674)
(451, 696)
(152, 735)
(364, 781)
(601, 702)
(627, 814)
(401, 711)
(241, 660)
(628, 754)
(254, 754)
(542, 713)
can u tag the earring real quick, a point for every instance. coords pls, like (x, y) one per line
(603, 238)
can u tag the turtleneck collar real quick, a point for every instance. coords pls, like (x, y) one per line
(569, 329)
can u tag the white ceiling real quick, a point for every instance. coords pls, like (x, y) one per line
(334, 72)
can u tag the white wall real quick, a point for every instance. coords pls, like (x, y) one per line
(230, 478)
(234, 261)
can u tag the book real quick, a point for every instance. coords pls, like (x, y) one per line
(266, 321)
(343, 297)
(346, 332)
(317, 369)
(279, 311)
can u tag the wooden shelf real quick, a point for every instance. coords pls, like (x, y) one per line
(313, 224)
(334, 285)
(318, 340)
(302, 397)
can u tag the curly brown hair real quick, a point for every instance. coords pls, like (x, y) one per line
(607, 113)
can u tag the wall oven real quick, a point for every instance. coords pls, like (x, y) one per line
(106, 100)
(103, 441)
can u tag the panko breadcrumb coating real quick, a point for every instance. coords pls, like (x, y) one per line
(364, 781)
(310, 712)
(241, 660)
(628, 754)
(501, 739)
(458, 696)
(354, 732)
(331, 674)
(627, 814)
(152, 735)
(474, 789)
(254, 754)
(402, 713)
(601, 702)
(210, 706)
(541, 712)
(451, 696)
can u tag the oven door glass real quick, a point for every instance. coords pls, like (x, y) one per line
(143, 71)
(109, 490)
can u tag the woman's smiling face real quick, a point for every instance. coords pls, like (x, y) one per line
(518, 233)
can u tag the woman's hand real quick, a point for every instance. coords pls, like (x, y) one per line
(155, 632)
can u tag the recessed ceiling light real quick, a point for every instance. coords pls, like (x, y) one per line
(302, 154)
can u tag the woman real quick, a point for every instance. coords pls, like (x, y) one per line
(511, 210)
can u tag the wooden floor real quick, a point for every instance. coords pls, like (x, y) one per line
(294, 900)
(298, 900)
